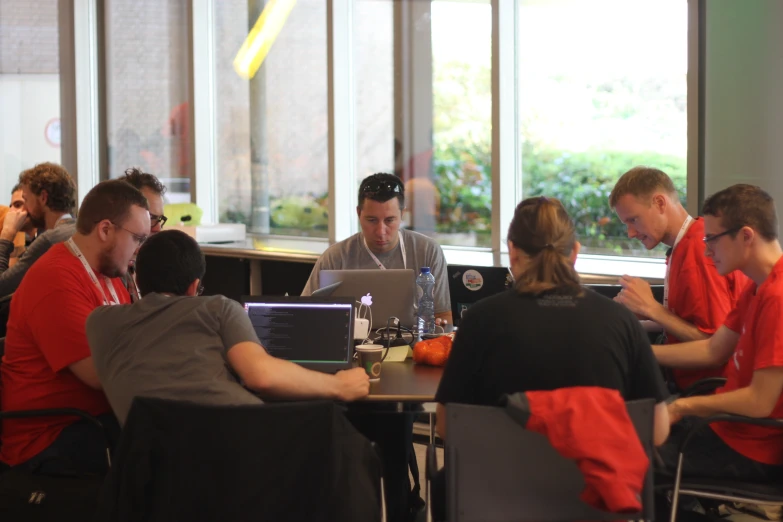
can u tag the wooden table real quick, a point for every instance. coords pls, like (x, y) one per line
(406, 382)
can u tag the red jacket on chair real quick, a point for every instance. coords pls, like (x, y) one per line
(591, 426)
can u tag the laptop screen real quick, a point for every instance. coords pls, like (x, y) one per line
(316, 333)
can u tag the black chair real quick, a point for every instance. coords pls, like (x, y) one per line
(497, 471)
(721, 489)
(179, 461)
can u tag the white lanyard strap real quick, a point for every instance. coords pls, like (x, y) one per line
(685, 226)
(78, 253)
(375, 258)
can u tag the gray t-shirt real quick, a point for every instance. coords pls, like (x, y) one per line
(169, 348)
(420, 251)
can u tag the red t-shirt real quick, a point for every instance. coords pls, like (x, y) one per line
(699, 295)
(757, 318)
(45, 335)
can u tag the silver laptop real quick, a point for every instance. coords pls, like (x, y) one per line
(392, 292)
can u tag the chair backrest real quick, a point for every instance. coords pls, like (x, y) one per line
(497, 471)
(295, 461)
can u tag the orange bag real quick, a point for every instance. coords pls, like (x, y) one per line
(433, 352)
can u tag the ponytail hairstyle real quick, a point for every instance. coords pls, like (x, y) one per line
(542, 229)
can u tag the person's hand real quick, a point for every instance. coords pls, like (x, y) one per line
(676, 411)
(353, 384)
(13, 223)
(637, 296)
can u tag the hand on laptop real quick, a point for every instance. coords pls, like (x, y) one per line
(354, 384)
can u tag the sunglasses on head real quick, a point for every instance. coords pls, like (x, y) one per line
(375, 187)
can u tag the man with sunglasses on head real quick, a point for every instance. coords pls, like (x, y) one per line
(383, 244)
(697, 298)
(47, 361)
(48, 199)
(740, 233)
(152, 189)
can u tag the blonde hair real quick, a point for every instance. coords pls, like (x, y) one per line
(543, 230)
(641, 182)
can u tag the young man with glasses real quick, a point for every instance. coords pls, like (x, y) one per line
(47, 362)
(202, 350)
(49, 198)
(697, 298)
(741, 233)
(152, 189)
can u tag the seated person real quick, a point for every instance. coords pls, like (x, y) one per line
(47, 362)
(153, 190)
(27, 232)
(697, 298)
(516, 341)
(49, 198)
(383, 244)
(175, 345)
(741, 233)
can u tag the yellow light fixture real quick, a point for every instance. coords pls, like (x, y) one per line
(260, 39)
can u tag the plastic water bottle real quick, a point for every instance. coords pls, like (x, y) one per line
(425, 286)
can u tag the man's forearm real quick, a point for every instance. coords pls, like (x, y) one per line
(676, 326)
(738, 402)
(281, 379)
(695, 354)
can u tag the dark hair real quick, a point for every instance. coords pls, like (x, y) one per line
(140, 179)
(110, 200)
(542, 229)
(381, 187)
(55, 180)
(641, 182)
(744, 205)
(169, 262)
(18, 186)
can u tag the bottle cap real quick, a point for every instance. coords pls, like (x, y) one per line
(425, 270)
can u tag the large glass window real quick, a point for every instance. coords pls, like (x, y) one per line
(29, 88)
(272, 130)
(602, 88)
(148, 109)
(424, 110)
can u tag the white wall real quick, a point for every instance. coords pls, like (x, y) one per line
(744, 96)
(27, 103)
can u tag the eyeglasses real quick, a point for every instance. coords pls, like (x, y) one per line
(155, 219)
(137, 237)
(710, 240)
(200, 289)
(374, 187)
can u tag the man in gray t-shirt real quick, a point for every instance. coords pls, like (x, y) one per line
(381, 243)
(172, 344)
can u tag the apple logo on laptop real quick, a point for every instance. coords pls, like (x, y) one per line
(367, 299)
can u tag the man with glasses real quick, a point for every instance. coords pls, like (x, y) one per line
(697, 298)
(153, 190)
(211, 337)
(740, 233)
(47, 362)
(49, 198)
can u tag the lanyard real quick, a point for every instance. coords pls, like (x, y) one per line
(78, 253)
(375, 258)
(684, 229)
(133, 288)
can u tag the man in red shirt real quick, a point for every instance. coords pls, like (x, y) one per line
(47, 362)
(741, 233)
(697, 298)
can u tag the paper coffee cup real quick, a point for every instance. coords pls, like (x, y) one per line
(370, 358)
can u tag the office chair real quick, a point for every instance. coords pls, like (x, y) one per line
(497, 471)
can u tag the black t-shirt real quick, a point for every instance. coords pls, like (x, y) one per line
(514, 343)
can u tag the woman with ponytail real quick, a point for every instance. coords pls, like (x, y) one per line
(548, 331)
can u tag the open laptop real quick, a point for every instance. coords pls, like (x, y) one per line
(469, 284)
(392, 292)
(314, 332)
